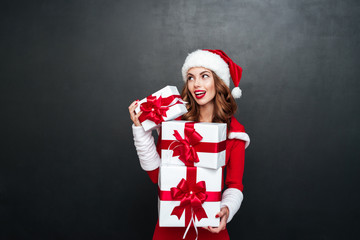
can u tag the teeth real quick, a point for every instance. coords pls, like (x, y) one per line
(199, 93)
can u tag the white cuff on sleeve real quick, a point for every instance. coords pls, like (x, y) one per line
(231, 198)
(146, 149)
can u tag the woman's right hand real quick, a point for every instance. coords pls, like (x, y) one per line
(135, 117)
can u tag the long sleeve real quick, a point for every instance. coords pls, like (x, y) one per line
(146, 149)
(232, 197)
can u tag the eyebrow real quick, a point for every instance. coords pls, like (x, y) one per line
(200, 73)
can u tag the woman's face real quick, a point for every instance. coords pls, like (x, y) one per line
(201, 85)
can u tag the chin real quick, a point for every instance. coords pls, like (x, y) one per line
(202, 102)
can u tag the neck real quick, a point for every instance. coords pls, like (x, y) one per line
(207, 112)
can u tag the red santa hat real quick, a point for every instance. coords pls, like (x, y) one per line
(218, 62)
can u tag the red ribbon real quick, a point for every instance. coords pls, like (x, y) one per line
(186, 148)
(154, 109)
(191, 195)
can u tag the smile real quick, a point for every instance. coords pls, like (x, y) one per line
(199, 93)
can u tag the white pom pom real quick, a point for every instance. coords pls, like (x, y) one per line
(236, 92)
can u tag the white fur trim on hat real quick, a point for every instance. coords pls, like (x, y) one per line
(241, 136)
(209, 60)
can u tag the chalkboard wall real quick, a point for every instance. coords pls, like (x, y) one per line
(70, 69)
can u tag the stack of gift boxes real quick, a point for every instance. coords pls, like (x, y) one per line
(192, 156)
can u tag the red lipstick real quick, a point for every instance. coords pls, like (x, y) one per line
(199, 93)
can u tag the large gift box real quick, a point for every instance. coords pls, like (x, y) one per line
(163, 105)
(189, 196)
(193, 144)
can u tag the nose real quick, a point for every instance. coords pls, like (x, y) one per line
(197, 82)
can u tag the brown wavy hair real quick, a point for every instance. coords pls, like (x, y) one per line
(224, 103)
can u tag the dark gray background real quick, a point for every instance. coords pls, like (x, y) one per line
(69, 70)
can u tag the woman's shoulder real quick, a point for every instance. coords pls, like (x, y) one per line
(237, 131)
(235, 126)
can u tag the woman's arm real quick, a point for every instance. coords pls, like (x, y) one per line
(144, 144)
(146, 149)
(232, 196)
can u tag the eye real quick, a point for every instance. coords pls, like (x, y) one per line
(205, 76)
(190, 78)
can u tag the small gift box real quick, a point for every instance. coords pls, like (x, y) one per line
(189, 195)
(193, 144)
(163, 105)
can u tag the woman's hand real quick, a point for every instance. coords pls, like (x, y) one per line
(223, 215)
(135, 117)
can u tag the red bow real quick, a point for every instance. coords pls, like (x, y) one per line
(185, 149)
(192, 196)
(153, 109)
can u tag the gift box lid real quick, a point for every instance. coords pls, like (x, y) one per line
(211, 132)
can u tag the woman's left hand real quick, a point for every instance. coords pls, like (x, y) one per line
(223, 215)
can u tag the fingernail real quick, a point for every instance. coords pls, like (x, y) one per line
(217, 215)
(137, 100)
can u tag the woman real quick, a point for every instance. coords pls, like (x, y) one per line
(207, 79)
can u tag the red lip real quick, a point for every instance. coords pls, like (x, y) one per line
(199, 93)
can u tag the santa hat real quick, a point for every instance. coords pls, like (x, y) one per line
(218, 62)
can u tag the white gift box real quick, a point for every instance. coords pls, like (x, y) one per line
(170, 176)
(176, 107)
(213, 137)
